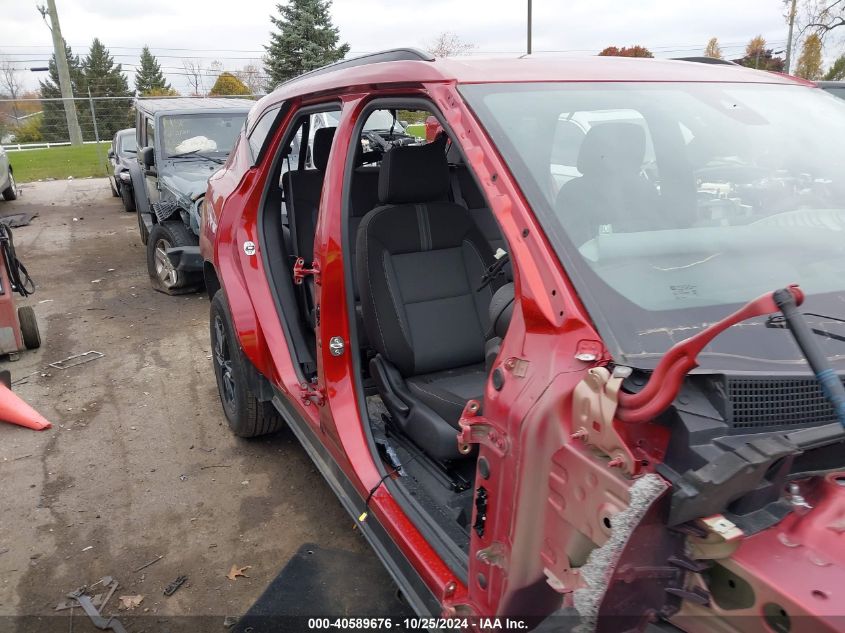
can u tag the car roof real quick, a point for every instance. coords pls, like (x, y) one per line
(192, 104)
(416, 67)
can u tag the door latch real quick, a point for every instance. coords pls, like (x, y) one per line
(300, 272)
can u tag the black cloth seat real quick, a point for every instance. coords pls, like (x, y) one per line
(611, 195)
(419, 264)
(302, 189)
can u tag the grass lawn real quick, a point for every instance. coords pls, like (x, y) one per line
(59, 162)
(416, 129)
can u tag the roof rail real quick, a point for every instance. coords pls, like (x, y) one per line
(390, 55)
(706, 60)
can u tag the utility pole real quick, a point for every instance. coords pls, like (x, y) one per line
(529, 29)
(64, 73)
(789, 39)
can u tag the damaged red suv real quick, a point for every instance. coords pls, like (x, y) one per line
(553, 359)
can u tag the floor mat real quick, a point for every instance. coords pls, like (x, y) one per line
(324, 583)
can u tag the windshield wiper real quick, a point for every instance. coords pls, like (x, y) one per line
(194, 153)
(779, 321)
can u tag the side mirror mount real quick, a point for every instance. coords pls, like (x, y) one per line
(148, 158)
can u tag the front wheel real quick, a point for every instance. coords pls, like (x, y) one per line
(128, 197)
(247, 416)
(164, 276)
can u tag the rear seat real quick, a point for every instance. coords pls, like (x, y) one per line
(302, 189)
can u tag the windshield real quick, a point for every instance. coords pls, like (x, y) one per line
(383, 120)
(672, 204)
(127, 144)
(200, 133)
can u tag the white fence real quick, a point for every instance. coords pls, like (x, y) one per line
(22, 147)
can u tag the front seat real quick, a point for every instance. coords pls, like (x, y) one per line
(611, 195)
(419, 262)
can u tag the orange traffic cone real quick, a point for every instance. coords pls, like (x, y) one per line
(15, 411)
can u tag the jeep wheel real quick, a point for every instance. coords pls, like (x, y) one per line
(164, 276)
(11, 192)
(128, 197)
(29, 327)
(114, 192)
(247, 416)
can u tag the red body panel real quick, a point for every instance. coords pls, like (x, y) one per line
(546, 489)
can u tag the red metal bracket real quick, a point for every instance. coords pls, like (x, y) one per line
(666, 379)
(300, 272)
(476, 429)
(312, 394)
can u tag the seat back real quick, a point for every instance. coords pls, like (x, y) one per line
(419, 264)
(302, 189)
(611, 190)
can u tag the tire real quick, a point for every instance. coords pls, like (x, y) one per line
(114, 192)
(11, 192)
(128, 197)
(164, 277)
(247, 416)
(29, 327)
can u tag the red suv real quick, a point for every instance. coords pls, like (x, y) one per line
(485, 341)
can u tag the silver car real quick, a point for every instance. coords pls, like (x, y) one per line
(8, 187)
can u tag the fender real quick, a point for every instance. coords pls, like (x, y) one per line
(139, 187)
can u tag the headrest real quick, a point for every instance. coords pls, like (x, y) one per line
(322, 145)
(414, 173)
(612, 148)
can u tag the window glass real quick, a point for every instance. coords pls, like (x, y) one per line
(681, 201)
(259, 133)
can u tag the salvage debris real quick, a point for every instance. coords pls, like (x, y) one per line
(237, 571)
(170, 589)
(130, 602)
(145, 565)
(77, 359)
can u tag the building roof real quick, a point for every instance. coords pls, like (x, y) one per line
(152, 106)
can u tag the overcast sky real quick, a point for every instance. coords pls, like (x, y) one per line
(234, 32)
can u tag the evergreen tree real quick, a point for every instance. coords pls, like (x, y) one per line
(149, 79)
(54, 123)
(305, 39)
(836, 72)
(104, 78)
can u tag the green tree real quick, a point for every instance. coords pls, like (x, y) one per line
(836, 72)
(713, 49)
(304, 39)
(626, 51)
(54, 123)
(104, 78)
(810, 61)
(228, 84)
(149, 80)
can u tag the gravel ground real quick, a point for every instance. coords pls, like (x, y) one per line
(139, 463)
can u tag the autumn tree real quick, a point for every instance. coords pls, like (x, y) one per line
(195, 76)
(149, 80)
(304, 39)
(758, 55)
(228, 84)
(448, 44)
(713, 49)
(810, 61)
(626, 51)
(10, 83)
(822, 16)
(836, 72)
